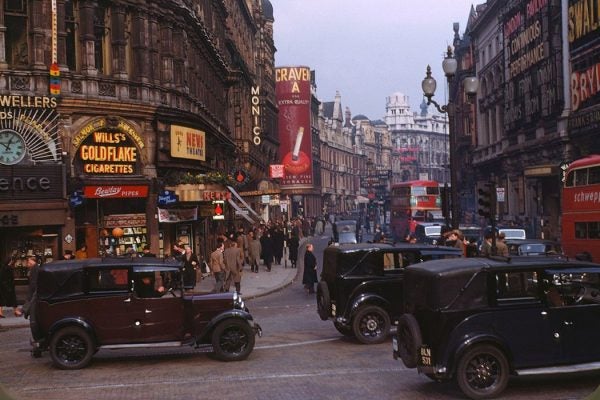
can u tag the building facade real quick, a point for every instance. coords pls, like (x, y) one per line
(133, 119)
(420, 142)
(521, 124)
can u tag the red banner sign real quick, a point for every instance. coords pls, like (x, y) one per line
(292, 87)
(115, 191)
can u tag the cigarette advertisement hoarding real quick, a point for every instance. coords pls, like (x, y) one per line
(293, 99)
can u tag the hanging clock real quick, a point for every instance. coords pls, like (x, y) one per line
(12, 147)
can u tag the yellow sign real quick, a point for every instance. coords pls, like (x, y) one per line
(188, 143)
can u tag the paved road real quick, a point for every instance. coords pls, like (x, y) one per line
(299, 357)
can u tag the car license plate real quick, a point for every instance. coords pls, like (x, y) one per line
(395, 343)
(425, 356)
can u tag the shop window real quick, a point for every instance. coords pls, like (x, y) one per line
(16, 41)
(102, 39)
(71, 39)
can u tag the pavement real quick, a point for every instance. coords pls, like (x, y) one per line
(253, 285)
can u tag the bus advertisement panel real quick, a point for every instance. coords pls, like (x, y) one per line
(292, 89)
(581, 209)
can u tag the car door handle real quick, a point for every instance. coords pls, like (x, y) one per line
(148, 311)
(127, 300)
(568, 323)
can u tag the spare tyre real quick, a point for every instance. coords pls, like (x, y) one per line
(323, 301)
(409, 340)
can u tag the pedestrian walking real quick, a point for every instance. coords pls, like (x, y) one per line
(217, 267)
(266, 244)
(309, 275)
(8, 297)
(234, 264)
(189, 268)
(294, 244)
(278, 242)
(254, 251)
(32, 265)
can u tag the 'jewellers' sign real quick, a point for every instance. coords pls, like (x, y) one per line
(31, 183)
(108, 149)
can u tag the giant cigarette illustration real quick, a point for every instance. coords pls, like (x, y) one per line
(296, 150)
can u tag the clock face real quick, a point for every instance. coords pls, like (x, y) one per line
(12, 147)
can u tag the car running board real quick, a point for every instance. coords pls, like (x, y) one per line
(563, 369)
(141, 345)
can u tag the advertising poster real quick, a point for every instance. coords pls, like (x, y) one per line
(293, 99)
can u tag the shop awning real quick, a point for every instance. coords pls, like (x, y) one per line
(243, 213)
(361, 200)
(237, 196)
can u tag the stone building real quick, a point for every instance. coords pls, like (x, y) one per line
(115, 104)
(419, 141)
(340, 163)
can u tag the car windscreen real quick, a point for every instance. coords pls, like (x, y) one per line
(513, 233)
(435, 230)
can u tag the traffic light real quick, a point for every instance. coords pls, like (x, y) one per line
(487, 201)
(218, 209)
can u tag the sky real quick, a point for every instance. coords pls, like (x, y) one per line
(368, 50)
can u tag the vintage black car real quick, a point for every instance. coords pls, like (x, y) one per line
(345, 232)
(361, 285)
(480, 321)
(82, 306)
(533, 247)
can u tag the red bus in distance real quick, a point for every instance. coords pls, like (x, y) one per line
(581, 209)
(413, 201)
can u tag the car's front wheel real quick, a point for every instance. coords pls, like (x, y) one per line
(482, 372)
(71, 348)
(233, 340)
(323, 301)
(371, 325)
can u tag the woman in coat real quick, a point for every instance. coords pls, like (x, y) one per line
(266, 244)
(189, 267)
(309, 276)
(254, 251)
(8, 297)
(294, 244)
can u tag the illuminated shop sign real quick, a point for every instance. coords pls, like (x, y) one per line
(256, 128)
(584, 48)
(188, 143)
(115, 191)
(105, 149)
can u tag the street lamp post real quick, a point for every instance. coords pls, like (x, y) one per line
(449, 65)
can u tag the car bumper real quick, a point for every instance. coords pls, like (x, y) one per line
(257, 329)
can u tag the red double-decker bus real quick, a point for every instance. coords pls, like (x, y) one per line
(581, 209)
(411, 202)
